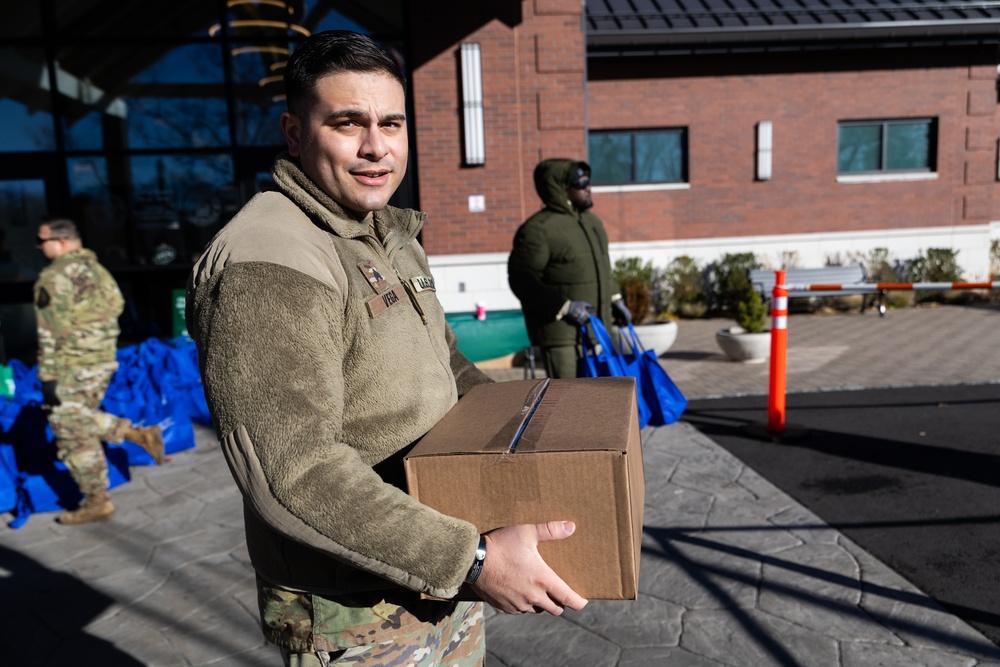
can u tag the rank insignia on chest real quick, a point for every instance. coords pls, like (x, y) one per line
(375, 279)
(423, 283)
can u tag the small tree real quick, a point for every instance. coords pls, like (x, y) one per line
(678, 289)
(878, 268)
(751, 313)
(881, 268)
(635, 281)
(731, 280)
(937, 265)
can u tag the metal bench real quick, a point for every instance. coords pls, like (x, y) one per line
(763, 281)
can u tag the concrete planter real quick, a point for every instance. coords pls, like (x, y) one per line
(746, 348)
(657, 336)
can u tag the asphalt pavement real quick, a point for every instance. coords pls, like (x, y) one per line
(754, 552)
(912, 477)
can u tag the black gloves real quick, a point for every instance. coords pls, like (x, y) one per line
(577, 314)
(620, 313)
(49, 397)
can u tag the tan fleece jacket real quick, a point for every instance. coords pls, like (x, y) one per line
(325, 352)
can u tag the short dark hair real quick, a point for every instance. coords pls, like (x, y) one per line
(332, 52)
(62, 228)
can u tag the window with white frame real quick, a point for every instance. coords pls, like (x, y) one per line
(886, 146)
(624, 157)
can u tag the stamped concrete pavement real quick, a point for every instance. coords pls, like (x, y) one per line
(734, 572)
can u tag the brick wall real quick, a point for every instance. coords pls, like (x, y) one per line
(721, 99)
(533, 89)
(537, 105)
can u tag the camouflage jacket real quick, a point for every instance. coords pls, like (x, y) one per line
(77, 304)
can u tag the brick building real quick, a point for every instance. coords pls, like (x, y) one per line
(801, 130)
(806, 132)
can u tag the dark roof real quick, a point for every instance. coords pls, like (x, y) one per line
(640, 23)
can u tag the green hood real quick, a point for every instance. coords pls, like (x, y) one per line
(552, 179)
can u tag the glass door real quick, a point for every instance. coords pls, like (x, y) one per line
(24, 200)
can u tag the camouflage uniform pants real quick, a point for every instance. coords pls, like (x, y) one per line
(458, 640)
(79, 425)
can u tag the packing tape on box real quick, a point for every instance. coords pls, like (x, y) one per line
(532, 434)
(512, 476)
(507, 437)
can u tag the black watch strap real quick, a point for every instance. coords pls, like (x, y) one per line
(477, 564)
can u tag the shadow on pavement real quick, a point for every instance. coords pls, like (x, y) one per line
(43, 616)
(910, 474)
(709, 573)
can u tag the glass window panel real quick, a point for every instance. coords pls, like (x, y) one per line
(253, 62)
(173, 18)
(26, 106)
(178, 202)
(859, 148)
(151, 209)
(659, 157)
(258, 122)
(84, 130)
(177, 122)
(324, 16)
(908, 145)
(145, 97)
(22, 205)
(260, 95)
(99, 209)
(611, 157)
(264, 182)
(87, 175)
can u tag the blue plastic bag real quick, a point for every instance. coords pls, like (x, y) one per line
(664, 399)
(8, 477)
(27, 388)
(165, 400)
(182, 369)
(611, 362)
(125, 396)
(145, 390)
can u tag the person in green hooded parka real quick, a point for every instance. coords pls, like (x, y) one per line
(560, 268)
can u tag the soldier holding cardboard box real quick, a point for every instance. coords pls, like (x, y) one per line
(325, 354)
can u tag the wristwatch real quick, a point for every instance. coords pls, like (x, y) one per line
(477, 563)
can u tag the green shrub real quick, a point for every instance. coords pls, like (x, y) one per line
(635, 282)
(678, 290)
(731, 280)
(751, 313)
(881, 268)
(878, 267)
(937, 265)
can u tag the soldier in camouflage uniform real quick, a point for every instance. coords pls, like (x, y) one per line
(77, 304)
(325, 353)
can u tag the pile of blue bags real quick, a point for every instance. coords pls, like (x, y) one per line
(156, 383)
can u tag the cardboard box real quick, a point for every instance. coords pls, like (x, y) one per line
(539, 450)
